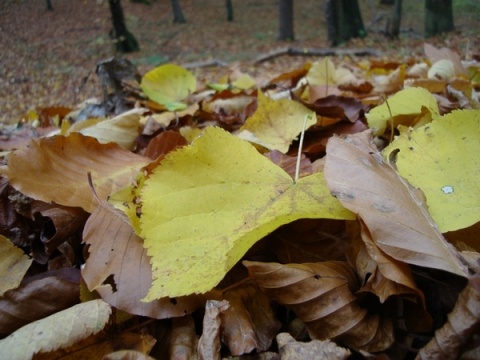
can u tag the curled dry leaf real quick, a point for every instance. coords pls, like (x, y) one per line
(321, 295)
(209, 344)
(13, 265)
(55, 169)
(290, 349)
(56, 331)
(463, 322)
(118, 268)
(38, 297)
(392, 210)
(183, 339)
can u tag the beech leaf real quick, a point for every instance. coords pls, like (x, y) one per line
(206, 204)
(276, 123)
(168, 85)
(59, 330)
(441, 158)
(391, 209)
(56, 169)
(13, 265)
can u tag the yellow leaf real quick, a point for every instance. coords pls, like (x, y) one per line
(168, 85)
(206, 204)
(13, 265)
(56, 331)
(441, 158)
(407, 107)
(322, 73)
(276, 123)
(244, 82)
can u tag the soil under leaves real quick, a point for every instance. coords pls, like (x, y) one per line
(48, 57)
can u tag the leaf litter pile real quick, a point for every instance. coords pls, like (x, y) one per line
(331, 212)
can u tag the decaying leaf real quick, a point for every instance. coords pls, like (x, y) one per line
(441, 159)
(56, 169)
(56, 331)
(276, 123)
(118, 268)
(209, 343)
(183, 340)
(206, 204)
(38, 297)
(290, 349)
(392, 210)
(321, 295)
(13, 265)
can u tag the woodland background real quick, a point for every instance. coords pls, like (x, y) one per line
(47, 55)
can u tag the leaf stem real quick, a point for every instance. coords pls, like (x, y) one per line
(300, 145)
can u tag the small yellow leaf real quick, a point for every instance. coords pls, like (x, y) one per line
(59, 330)
(276, 123)
(13, 265)
(168, 85)
(322, 73)
(407, 107)
(441, 158)
(206, 204)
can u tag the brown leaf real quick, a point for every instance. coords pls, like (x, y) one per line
(127, 355)
(183, 340)
(119, 269)
(463, 322)
(290, 349)
(320, 294)
(341, 107)
(434, 54)
(288, 163)
(55, 169)
(392, 210)
(163, 143)
(209, 344)
(37, 297)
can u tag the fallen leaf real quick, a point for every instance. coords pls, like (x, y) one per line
(56, 331)
(61, 165)
(118, 268)
(410, 107)
(37, 297)
(168, 85)
(392, 210)
(321, 295)
(290, 349)
(13, 265)
(276, 123)
(183, 339)
(127, 355)
(209, 343)
(434, 54)
(441, 159)
(206, 204)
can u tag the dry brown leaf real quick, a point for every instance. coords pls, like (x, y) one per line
(209, 343)
(119, 269)
(392, 210)
(13, 265)
(434, 54)
(127, 355)
(183, 339)
(37, 297)
(463, 322)
(59, 330)
(163, 143)
(290, 349)
(321, 295)
(288, 163)
(56, 168)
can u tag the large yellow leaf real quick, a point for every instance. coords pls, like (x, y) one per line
(56, 331)
(276, 123)
(205, 205)
(392, 210)
(409, 107)
(168, 85)
(56, 168)
(442, 159)
(13, 265)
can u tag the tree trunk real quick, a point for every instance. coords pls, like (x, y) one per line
(286, 20)
(438, 17)
(393, 23)
(344, 21)
(229, 6)
(178, 17)
(124, 41)
(49, 5)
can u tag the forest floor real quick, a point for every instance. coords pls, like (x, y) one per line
(48, 57)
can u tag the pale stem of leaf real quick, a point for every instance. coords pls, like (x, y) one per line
(391, 117)
(300, 145)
